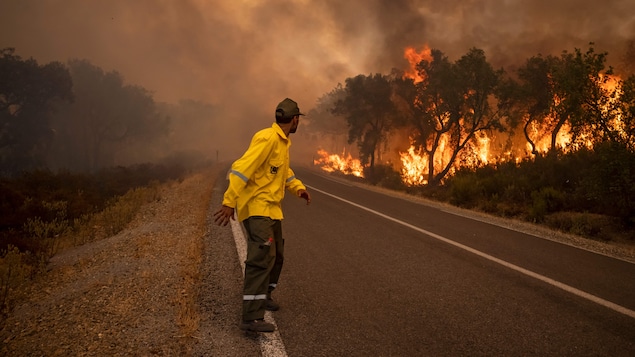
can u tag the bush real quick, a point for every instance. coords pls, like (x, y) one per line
(464, 192)
(52, 211)
(55, 198)
(14, 271)
(545, 201)
(385, 176)
(598, 181)
(589, 225)
(610, 181)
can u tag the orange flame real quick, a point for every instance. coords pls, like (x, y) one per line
(414, 57)
(345, 163)
(482, 150)
(613, 87)
(414, 168)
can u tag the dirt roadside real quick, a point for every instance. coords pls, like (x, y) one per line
(168, 285)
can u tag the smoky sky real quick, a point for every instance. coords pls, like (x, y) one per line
(244, 56)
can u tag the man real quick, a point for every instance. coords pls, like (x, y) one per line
(257, 182)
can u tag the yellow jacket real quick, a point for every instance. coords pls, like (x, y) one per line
(258, 179)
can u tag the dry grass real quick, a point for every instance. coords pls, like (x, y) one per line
(17, 269)
(134, 293)
(188, 317)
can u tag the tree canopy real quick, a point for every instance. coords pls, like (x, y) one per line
(28, 95)
(370, 111)
(107, 116)
(452, 105)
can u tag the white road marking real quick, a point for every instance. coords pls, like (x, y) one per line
(557, 284)
(270, 343)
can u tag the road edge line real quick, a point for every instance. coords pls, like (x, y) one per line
(596, 299)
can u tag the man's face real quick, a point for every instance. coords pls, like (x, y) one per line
(294, 124)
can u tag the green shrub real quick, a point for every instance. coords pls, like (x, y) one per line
(384, 176)
(545, 201)
(14, 271)
(65, 196)
(464, 192)
(42, 212)
(589, 225)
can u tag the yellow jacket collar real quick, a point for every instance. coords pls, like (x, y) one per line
(279, 130)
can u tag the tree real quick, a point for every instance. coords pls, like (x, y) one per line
(323, 120)
(627, 110)
(574, 91)
(534, 95)
(28, 95)
(580, 100)
(370, 112)
(628, 58)
(194, 127)
(106, 118)
(453, 104)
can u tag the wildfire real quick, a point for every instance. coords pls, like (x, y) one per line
(542, 137)
(483, 149)
(541, 133)
(414, 167)
(414, 161)
(612, 86)
(414, 57)
(345, 163)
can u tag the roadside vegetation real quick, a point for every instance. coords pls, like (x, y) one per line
(43, 213)
(589, 193)
(551, 141)
(72, 140)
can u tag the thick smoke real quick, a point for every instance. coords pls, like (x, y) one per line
(244, 56)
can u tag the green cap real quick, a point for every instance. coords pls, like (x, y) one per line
(287, 109)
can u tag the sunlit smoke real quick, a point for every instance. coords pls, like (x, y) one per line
(243, 57)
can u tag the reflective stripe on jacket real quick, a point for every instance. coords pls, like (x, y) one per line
(258, 179)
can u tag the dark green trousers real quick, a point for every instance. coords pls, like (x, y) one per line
(265, 256)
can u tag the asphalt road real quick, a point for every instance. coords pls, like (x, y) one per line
(392, 282)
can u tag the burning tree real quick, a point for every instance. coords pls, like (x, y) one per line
(452, 107)
(451, 112)
(627, 111)
(331, 128)
(576, 87)
(573, 99)
(371, 113)
(531, 99)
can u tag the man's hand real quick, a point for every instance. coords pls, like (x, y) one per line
(223, 215)
(305, 194)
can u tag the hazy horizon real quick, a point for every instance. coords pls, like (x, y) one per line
(245, 56)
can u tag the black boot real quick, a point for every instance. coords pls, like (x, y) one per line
(271, 305)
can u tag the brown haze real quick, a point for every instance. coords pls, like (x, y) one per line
(244, 56)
